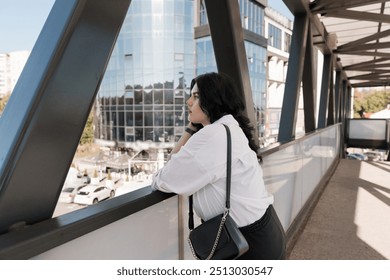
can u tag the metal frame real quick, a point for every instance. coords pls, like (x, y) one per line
(53, 99)
(59, 83)
(308, 83)
(294, 77)
(229, 48)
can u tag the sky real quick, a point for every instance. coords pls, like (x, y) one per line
(21, 21)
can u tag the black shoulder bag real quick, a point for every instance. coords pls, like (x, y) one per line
(218, 238)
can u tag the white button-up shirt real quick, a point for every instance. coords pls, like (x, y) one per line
(199, 168)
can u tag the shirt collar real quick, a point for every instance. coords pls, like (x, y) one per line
(227, 119)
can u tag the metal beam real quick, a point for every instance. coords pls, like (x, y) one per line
(298, 6)
(331, 100)
(365, 53)
(294, 78)
(364, 47)
(324, 98)
(323, 6)
(229, 49)
(308, 85)
(363, 65)
(366, 39)
(355, 15)
(337, 94)
(42, 124)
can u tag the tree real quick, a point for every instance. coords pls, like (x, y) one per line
(87, 136)
(3, 102)
(371, 103)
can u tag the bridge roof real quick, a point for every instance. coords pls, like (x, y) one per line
(357, 32)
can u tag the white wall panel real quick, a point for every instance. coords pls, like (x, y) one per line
(148, 234)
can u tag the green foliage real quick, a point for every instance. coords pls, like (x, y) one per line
(3, 102)
(87, 136)
(371, 103)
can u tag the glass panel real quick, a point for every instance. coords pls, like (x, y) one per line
(168, 96)
(148, 118)
(139, 134)
(138, 96)
(129, 119)
(158, 135)
(158, 97)
(121, 118)
(138, 118)
(113, 118)
(169, 119)
(148, 95)
(179, 118)
(158, 119)
(107, 118)
(121, 134)
(149, 134)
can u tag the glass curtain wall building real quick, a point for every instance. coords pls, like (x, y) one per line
(142, 96)
(252, 19)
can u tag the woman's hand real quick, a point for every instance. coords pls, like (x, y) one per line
(190, 130)
(195, 126)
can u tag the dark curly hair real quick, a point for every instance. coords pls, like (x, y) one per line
(218, 97)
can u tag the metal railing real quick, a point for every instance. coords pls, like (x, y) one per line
(147, 224)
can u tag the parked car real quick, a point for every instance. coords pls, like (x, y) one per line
(93, 194)
(357, 156)
(373, 156)
(68, 193)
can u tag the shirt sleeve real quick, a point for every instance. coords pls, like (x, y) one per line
(198, 163)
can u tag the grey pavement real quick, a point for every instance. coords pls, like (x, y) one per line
(352, 218)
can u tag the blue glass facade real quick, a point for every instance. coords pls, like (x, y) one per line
(142, 96)
(143, 93)
(251, 15)
(275, 36)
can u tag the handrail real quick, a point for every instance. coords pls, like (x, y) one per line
(38, 238)
(274, 147)
(35, 239)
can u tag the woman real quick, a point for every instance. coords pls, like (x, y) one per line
(197, 166)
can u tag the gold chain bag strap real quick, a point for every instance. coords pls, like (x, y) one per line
(218, 238)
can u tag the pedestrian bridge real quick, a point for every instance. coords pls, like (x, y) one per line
(63, 74)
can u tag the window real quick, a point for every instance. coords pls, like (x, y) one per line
(274, 36)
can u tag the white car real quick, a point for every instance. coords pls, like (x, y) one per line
(68, 193)
(93, 194)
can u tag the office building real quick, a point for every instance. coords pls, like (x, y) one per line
(278, 30)
(161, 47)
(142, 96)
(11, 66)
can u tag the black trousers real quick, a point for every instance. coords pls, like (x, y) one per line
(266, 238)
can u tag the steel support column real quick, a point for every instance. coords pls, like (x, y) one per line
(344, 98)
(308, 85)
(293, 80)
(42, 124)
(324, 98)
(337, 96)
(331, 102)
(229, 49)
